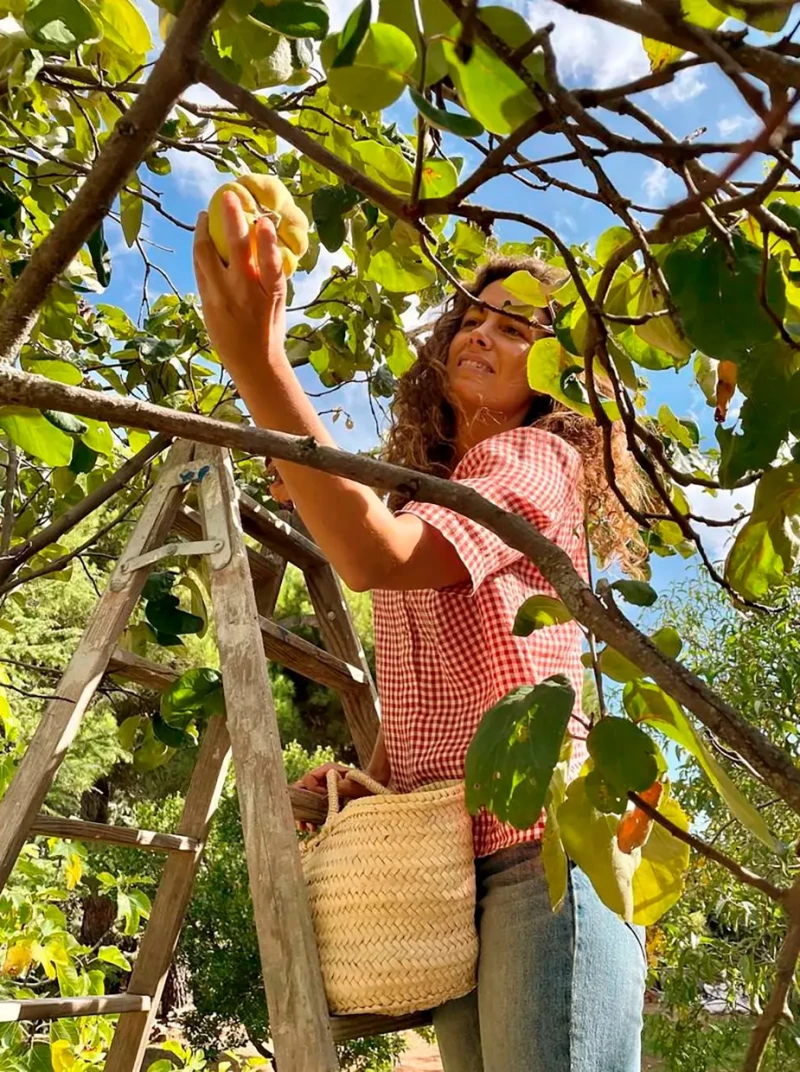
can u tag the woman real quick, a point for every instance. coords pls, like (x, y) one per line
(557, 992)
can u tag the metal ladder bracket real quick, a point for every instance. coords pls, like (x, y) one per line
(217, 548)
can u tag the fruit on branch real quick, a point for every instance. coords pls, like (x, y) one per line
(635, 826)
(726, 385)
(262, 195)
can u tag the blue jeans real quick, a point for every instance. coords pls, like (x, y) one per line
(557, 991)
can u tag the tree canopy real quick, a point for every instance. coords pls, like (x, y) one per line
(394, 130)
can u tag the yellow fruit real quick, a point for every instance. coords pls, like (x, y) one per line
(262, 195)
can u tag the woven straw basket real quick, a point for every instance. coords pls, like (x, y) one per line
(391, 883)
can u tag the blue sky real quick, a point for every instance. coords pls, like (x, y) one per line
(590, 53)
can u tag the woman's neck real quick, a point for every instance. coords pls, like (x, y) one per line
(473, 428)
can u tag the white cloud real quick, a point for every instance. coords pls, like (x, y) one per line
(655, 182)
(684, 87)
(588, 49)
(194, 174)
(730, 124)
(724, 505)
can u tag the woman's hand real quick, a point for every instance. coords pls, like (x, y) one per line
(244, 304)
(316, 781)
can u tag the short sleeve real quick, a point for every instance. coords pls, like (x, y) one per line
(526, 471)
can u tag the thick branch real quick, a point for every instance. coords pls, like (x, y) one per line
(777, 1008)
(772, 764)
(172, 74)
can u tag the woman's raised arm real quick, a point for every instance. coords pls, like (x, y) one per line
(244, 307)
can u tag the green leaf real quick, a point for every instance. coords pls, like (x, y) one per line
(554, 858)
(35, 435)
(399, 355)
(767, 547)
(439, 178)
(538, 612)
(385, 164)
(98, 437)
(610, 241)
(658, 880)
(486, 87)
(295, 18)
(511, 758)
(59, 311)
(646, 702)
(527, 288)
(699, 12)
(83, 458)
(101, 258)
(352, 35)
(437, 19)
(65, 421)
(668, 641)
(464, 126)
(790, 214)
(403, 277)
(131, 211)
(196, 693)
(721, 308)
(110, 954)
(328, 207)
(603, 795)
(589, 837)
(643, 353)
(128, 730)
(551, 370)
(375, 79)
(639, 593)
(60, 25)
(158, 584)
(623, 754)
(54, 369)
(123, 25)
(165, 615)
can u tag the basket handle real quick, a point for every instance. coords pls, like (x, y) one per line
(359, 776)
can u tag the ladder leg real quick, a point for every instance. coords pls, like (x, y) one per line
(299, 1018)
(62, 717)
(169, 909)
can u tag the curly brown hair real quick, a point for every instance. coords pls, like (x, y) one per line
(422, 434)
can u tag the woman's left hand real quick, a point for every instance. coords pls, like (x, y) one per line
(244, 303)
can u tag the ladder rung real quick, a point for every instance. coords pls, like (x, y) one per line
(297, 654)
(187, 523)
(276, 534)
(366, 1025)
(141, 671)
(126, 836)
(53, 1008)
(308, 807)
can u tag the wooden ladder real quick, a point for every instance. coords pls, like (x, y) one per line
(244, 590)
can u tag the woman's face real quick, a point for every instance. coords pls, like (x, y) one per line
(488, 358)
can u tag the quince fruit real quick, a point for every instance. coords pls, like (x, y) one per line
(262, 195)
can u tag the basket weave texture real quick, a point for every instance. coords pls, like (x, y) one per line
(391, 884)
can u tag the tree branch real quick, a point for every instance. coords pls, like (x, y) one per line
(8, 496)
(773, 765)
(744, 874)
(777, 1008)
(121, 153)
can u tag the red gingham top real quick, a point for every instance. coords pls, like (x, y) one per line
(444, 657)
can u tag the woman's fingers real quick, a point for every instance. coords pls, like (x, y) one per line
(237, 231)
(270, 262)
(208, 267)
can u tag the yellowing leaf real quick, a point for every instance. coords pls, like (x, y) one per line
(658, 880)
(699, 12)
(18, 959)
(62, 1055)
(73, 871)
